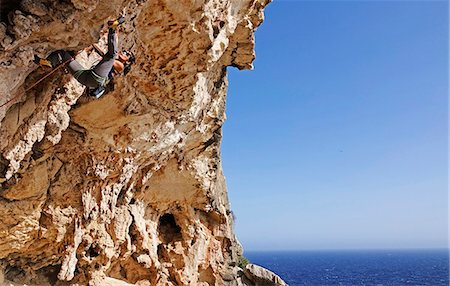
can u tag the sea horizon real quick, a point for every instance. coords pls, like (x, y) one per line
(348, 249)
(401, 266)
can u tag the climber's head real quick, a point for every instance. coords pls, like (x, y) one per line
(118, 67)
(123, 63)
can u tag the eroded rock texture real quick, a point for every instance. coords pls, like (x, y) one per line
(127, 189)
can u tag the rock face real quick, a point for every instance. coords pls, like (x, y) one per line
(262, 276)
(127, 189)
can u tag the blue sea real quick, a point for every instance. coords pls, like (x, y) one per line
(357, 267)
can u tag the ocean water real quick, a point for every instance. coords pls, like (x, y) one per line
(356, 267)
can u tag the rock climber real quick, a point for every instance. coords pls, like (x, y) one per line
(96, 78)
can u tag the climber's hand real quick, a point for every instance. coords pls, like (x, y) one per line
(113, 24)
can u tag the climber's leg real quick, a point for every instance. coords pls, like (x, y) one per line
(79, 72)
(59, 57)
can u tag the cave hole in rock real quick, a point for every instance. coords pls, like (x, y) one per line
(168, 229)
(47, 275)
(50, 272)
(14, 273)
(93, 251)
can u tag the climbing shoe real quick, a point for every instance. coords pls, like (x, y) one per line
(113, 24)
(42, 62)
(98, 92)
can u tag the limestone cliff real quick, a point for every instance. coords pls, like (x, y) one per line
(126, 189)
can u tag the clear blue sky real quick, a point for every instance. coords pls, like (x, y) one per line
(338, 138)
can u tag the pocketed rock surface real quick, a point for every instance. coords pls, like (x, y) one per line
(127, 189)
